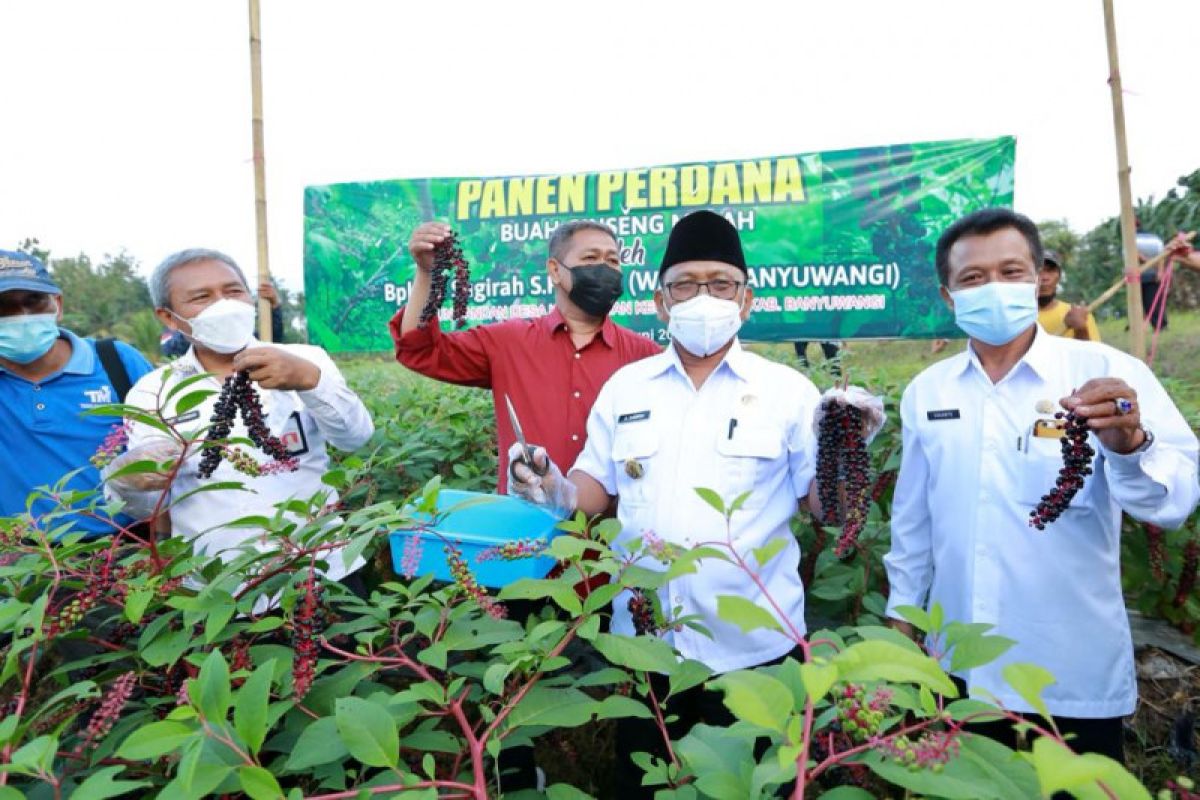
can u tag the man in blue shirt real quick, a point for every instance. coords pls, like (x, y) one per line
(48, 378)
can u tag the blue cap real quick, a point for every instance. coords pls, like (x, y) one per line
(23, 271)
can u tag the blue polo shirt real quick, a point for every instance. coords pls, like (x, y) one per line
(44, 434)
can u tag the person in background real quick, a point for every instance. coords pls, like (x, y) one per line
(1055, 316)
(829, 349)
(49, 379)
(981, 447)
(174, 344)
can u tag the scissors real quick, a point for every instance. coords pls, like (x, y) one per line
(526, 453)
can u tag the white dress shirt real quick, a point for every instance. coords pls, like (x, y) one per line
(747, 428)
(305, 421)
(970, 474)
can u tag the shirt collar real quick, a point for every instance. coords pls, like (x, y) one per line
(736, 360)
(83, 357)
(554, 322)
(1039, 357)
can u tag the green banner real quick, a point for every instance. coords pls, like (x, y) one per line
(840, 244)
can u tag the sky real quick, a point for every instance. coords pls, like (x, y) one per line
(128, 122)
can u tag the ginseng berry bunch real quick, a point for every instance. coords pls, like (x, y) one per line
(1077, 465)
(239, 395)
(448, 255)
(843, 471)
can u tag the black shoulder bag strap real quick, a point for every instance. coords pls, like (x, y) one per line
(110, 359)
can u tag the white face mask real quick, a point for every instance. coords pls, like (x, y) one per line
(996, 312)
(704, 324)
(226, 326)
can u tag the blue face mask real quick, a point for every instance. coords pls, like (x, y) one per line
(27, 337)
(997, 312)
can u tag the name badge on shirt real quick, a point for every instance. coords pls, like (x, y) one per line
(293, 436)
(636, 416)
(945, 413)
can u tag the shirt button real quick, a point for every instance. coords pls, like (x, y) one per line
(41, 406)
(574, 437)
(37, 388)
(578, 355)
(578, 395)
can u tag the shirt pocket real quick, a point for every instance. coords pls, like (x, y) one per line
(746, 461)
(633, 452)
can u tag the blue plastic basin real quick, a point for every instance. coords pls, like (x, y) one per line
(492, 520)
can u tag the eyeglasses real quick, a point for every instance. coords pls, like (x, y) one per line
(721, 288)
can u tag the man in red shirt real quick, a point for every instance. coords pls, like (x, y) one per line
(553, 366)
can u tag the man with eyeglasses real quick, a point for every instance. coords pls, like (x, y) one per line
(704, 413)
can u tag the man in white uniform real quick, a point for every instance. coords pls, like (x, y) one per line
(305, 402)
(981, 447)
(704, 413)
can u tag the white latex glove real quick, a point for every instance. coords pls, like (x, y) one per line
(871, 406)
(550, 490)
(142, 491)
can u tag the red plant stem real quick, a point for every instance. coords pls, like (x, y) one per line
(802, 759)
(22, 697)
(658, 718)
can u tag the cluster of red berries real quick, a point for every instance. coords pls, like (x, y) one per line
(1182, 788)
(858, 716)
(843, 469)
(513, 551)
(642, 612)
(466, 581)
(105, 717)
(1077, 465)
(448, 255)
(68, 615)
(1156, 551)
(308, 624)
(239, 395)
(929, 751)
(1187, 574)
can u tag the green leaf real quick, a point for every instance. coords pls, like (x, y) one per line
(746, 614)
(688, 673)
(250, 711)
(846, 793)
(915, 615)
(318, 744)
(210, 692)
(565, 791)
(193, 399)
(495, 676)
(1029, 680)
(135, 603)
(768, 551)
(369, 732)
(37, 755)
(818, 679)
(878, 660)
(643, 653)
(535, 588)
(259, 784)
(100, 785)
(615, 706)
(978, 650)
(155, 740)
(1058, 769)
(566, 708)
(712, 498)
(757, 698)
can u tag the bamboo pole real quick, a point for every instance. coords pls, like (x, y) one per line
(1116, 287)
(260, 173)
(1137, 331)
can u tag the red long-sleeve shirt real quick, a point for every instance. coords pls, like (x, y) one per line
(533, 361)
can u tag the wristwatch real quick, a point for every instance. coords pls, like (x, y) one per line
(1145, 445)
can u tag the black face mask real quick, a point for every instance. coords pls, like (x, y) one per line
(595, 288)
